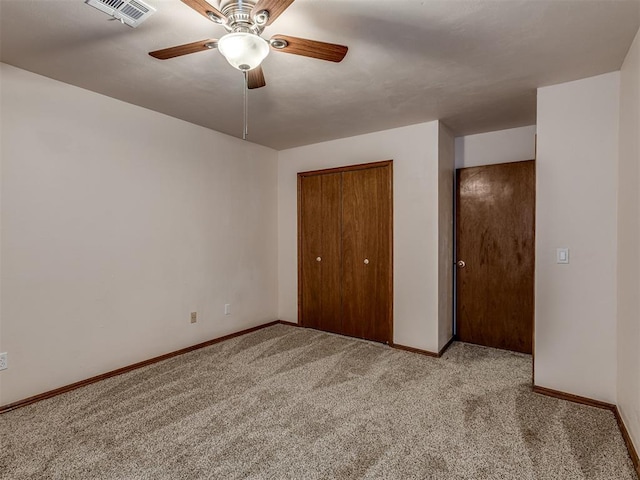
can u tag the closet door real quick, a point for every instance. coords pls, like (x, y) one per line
(320, 220)
(367, 250)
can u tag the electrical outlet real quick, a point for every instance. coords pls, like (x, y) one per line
(194, 317)
(227, 309)
(3, 361)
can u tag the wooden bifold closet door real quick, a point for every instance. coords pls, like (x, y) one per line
(321, 251)
(345, 250)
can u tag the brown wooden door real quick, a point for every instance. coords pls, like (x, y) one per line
(366, 243)
(495, 234)
(321, 256)
(345, 250)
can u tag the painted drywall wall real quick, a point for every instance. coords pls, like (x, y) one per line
(576, 204)
(629, 244)
(414, 151)
(446, 160)
(503, 146)
(117, 222)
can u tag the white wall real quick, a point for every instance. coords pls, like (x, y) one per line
(414, 151)
(629, 245)
(503, 146)
(575, 325)
(117, 222)
(446, 178)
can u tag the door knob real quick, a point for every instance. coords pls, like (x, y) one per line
(461, 264)
(318, 259)
(366, 261)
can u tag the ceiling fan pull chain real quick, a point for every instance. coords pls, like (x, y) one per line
(245, 130)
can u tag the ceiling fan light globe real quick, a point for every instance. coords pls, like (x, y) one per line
(244, 51)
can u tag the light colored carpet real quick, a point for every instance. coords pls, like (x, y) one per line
(286, 402)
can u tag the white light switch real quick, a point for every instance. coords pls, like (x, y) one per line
(562, 255)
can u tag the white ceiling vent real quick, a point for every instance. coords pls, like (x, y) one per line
(130, 12)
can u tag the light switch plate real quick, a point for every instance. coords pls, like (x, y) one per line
(562, 255)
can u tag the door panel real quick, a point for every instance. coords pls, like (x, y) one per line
(331, 265)
(311, 248)
(495, 232)
(366, 240)
(320, 218)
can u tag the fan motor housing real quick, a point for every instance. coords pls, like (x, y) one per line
(239, 17)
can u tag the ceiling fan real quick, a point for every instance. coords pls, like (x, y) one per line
(242, 46)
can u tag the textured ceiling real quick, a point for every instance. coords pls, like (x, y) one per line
(473, 64)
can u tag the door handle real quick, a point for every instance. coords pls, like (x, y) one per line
(366, 261)
(461, 264)
(318, 259)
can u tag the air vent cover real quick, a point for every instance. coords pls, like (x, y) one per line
(131, 12)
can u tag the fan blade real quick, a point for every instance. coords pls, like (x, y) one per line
(202, 7)
(312, 48)
(194, 47)
(274, 7)
(256, 78)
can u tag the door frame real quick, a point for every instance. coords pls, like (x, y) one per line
(346, 168)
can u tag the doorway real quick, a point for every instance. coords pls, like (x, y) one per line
(495, 252)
